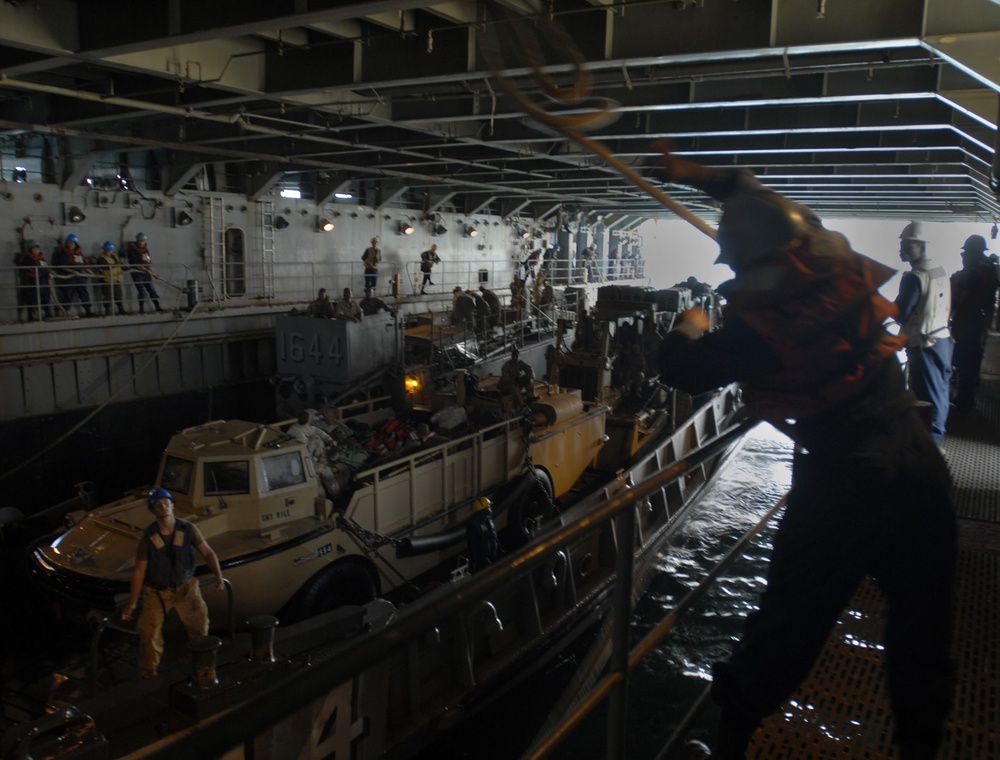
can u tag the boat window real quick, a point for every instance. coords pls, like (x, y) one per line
(226, 478)
(177, 475)
(283, 470)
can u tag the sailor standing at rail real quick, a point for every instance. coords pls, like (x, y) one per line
(804, 333)
(164, 576)
(481, 535)
(924, 303)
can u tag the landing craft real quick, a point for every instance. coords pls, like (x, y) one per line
(397, 524)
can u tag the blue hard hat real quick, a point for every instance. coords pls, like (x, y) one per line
(156, 494)
(108, 246)
(71, 238)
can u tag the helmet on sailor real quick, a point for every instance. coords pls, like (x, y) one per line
(481, 503)
(141, 237)
(155, 495)
(912, 231)
(974, 244)
(912, 245)
(755, 226)
(108, 246)
(71, 238)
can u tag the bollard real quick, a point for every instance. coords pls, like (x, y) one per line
(203, 651)
(262, 638)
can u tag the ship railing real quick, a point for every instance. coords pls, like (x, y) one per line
(295, 283)
(614, 685)
(217, 735)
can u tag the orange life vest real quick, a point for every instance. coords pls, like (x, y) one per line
(819, 310)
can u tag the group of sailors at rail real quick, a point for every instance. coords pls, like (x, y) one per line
(85, 286)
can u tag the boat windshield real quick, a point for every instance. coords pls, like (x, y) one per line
(177, 475)
(283, 470)
(227, 478)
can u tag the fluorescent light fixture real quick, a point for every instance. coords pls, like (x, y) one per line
(288, 192)
(343, 196)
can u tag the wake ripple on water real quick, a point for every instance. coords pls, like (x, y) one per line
(669, 679)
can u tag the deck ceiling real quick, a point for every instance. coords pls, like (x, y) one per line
(881, 108)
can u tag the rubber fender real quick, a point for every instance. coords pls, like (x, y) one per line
(410, 547)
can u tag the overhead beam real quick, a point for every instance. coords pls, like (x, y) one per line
(325, 191)
(175, 177)
(257, 185)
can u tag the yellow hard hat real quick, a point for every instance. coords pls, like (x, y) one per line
(481, 503)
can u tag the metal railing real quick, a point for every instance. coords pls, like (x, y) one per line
(28, 299)
(217, 735)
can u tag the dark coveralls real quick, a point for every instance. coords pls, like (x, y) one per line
(482, 540)
(139, 263)
(972, 300)
(72, 264)
(33, 284)
(930, 366)
(870, 496)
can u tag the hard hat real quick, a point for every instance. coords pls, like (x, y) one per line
(71, 238)
(156, 494)
(141, 237)
(29, 244)
(757, 225)
(481, 503)
(374, 239)
(108, 246)
(912, 231)
(974, 244)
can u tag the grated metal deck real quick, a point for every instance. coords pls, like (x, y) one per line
(842, 710)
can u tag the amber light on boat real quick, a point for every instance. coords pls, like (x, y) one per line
(412, 383)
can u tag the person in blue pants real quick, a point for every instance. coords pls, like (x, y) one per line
(924, 304)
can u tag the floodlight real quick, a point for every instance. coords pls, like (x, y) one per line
(405, 228)
(471, 231)
(183, 218)
(280, 223)
(324, 224)
(75, 215)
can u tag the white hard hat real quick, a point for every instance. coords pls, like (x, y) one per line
(912, 231)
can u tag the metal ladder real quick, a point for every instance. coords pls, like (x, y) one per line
(213, 240)
(265, 226)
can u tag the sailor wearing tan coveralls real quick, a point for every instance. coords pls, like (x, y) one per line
(164, 576)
